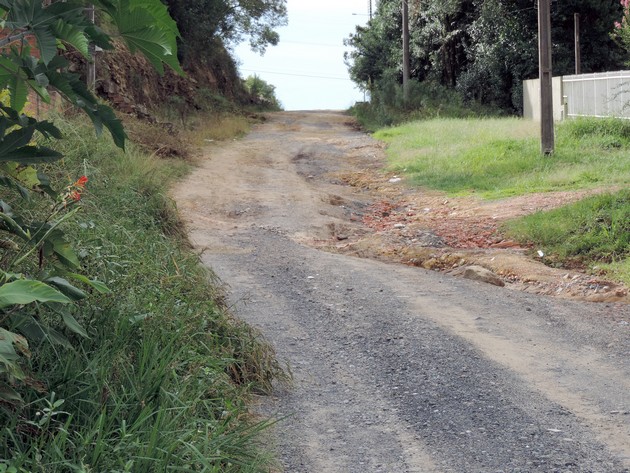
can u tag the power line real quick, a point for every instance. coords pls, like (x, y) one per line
(340, 45)
(297, 75)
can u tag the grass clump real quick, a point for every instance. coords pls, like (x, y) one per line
(162, 381)
(593, 231)
(498, 157)
(207, 127)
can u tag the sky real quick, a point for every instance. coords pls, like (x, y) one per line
(307, 66)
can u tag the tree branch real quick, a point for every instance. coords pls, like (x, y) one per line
(14, 37)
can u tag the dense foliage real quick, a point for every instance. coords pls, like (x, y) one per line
(262, 93)
(207, 26)
(114, 355)
(40, 272)
(482, 48)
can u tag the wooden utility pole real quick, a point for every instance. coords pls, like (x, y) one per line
(546, 91)
(370, 8)
(405, 39)
(576, 28)
(91, 61)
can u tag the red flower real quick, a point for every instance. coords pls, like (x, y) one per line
(81, 182)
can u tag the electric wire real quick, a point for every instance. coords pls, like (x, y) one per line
(296, 75)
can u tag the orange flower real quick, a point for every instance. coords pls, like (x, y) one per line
(74, 191)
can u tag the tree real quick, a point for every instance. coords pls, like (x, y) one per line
(439, 38)
(263, 92)
(39, 270)
(501, 54)
(599, 50)
(377, 49)
(202, 22)
(484, 48)
(621, 32)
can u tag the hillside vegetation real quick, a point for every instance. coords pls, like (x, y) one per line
(162, 377)
(478, 51)
(116, 352)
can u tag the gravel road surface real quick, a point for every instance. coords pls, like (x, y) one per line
(398, 369)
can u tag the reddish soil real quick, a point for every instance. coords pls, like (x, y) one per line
(427, 228)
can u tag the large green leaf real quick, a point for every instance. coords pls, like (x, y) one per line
(21, 13)
(7, 223)
(27, 176)
(105, 116)
(10, 175)
(11, 343)
(146, 26)
(27, 291)
(159, 14)
(13, 118)
(97, 285)
(7, 351)
(28, 155)
(56, 244)
(8, 394)
(37, 331)
(75, 90)
(15, 139)
(65, 287)
(8, 69)
(73, 325)
(18, 88)
(71, 35)
(99, 37)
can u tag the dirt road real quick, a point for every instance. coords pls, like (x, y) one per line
(397, 369)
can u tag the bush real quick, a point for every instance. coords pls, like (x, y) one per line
(426, 100)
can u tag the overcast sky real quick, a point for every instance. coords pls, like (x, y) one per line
(307, 66)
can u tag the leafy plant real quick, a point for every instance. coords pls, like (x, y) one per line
(262, 92)
(38, 265)
(163, 381)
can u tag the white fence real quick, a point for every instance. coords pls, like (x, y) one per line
(605, 94)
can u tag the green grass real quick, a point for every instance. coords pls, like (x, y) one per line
(500, 157)
(594, 229)
(162, 383)
(497, 158)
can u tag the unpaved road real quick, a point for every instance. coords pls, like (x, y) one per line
(398, 369)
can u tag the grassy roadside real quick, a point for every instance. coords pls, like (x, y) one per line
(162, 381)
(500, 157)
(497, 158)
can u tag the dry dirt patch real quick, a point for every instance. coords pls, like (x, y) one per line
(426, 228)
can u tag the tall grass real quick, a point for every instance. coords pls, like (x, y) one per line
(161, 384)
(499, 157)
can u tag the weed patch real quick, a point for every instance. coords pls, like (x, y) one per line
(162, 381)
(595, 230)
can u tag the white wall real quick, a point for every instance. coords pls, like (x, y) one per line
(605, 94)
(531, 99)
